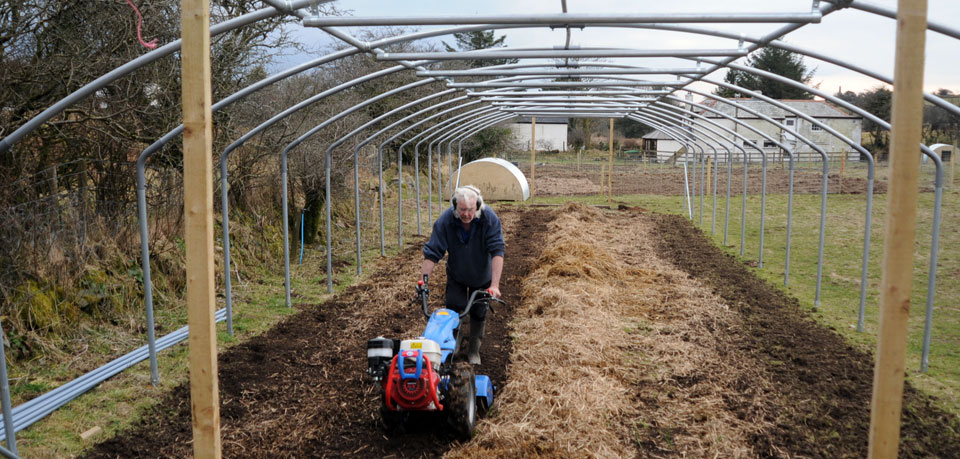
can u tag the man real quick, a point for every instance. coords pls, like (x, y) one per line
(471, 233)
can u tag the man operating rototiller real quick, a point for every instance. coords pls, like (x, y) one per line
(428, 373)
(471, 234)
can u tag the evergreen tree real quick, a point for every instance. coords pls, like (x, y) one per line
(479, 39)
(774, 60)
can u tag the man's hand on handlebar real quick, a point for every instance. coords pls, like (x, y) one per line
(422, 291)
(494, 291)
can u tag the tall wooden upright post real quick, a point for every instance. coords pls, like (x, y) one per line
(898, 247)
(603, 176)
(198, 222)
(953, 159)
(610, 169)
(533, 153)
(843, 166)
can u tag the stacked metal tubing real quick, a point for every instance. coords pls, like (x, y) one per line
(662, 118)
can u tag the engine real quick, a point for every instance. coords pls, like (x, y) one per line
(412, 381)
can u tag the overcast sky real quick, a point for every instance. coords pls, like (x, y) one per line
(857, 37)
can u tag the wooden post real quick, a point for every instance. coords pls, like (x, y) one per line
(533, 153)
(610, 169)
(898, 248)
(953, 160)
(602, 178)
(843, 165)
(198, 223)
(54, 183)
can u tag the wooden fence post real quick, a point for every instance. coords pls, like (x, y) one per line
(843, 166)
(610, 169)
(533, 153)
(602, 178)
(198, 225)
(898, 248)
(953, 159)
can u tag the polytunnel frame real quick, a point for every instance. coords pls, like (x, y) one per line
(535, 54)
(763, 192)
(380, 177)
(4, 145)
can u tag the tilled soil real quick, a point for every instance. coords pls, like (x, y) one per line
(566, 180)
(300, 390)
(819, 402)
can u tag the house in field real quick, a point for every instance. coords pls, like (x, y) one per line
(660, 147)
(551, 133)
(832, 116)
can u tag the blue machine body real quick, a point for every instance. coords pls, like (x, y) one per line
(440, 328)
(484, 391)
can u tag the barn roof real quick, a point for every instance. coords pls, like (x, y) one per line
(814, 108)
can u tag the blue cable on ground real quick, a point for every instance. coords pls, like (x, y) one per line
(301, 239)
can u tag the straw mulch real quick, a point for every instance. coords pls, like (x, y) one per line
(609, 348)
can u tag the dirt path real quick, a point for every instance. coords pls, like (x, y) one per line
(300, 390)
(710, 360)
(810, 389)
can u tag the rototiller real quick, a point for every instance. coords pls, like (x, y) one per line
(430, 373)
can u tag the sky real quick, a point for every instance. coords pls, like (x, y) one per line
(858, 37)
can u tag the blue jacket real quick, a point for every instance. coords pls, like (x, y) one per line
(470, 259)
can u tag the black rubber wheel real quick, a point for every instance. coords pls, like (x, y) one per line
(392, 422)
(461, 401)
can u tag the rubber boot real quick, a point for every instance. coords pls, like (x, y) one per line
(476, 336)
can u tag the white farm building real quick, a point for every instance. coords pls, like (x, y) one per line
(551, 133)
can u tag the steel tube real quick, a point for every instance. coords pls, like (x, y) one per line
(566, 84)
(743, 216)
(497, 54)
(11, 436)
(399, 170)
(670, 131)
(90, 88)
(225, 224)
(932, 273)
(846, 105)
(141, 186)
(729, 161)
(360, 145)
(145, 267)
(823, 155)
(785, 148)
(576, 20)
(507, 93)
(29, 412)
(558, 72)
(225, 211)
(506, 100)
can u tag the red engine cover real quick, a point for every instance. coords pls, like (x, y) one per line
(413, 387)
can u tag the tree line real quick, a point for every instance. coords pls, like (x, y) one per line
(68, 190)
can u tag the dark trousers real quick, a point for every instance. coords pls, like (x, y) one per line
(458, 294)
